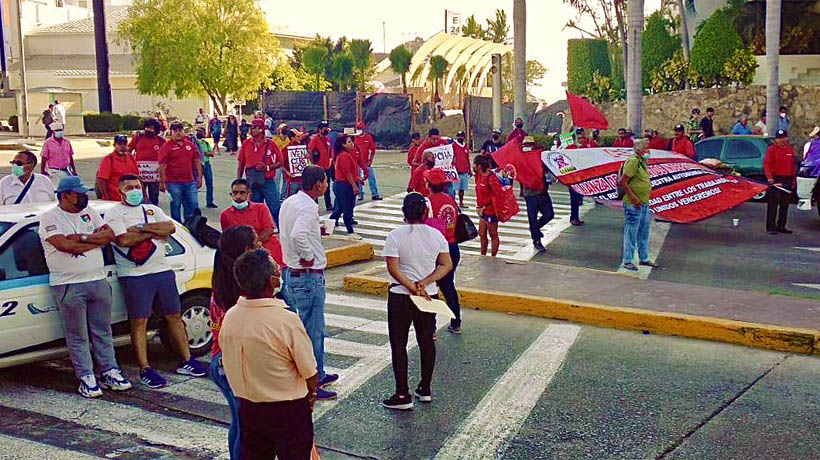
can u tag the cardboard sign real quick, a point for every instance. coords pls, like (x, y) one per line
(445, 159)
(148, 171)
(298, 159)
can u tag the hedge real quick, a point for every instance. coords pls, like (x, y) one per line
(111, 122)
(657, 45)
(715, 44)
(584, 57)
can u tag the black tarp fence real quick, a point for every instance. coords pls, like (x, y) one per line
(387, 118)
(481, 118)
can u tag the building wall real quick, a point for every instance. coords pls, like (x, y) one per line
(70, 44)
(39, 13)
(795, 69)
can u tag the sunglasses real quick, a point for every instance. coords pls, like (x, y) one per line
(17, 163)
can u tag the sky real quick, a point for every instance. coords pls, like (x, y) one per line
(405, 20)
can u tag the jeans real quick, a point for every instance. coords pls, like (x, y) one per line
(217, 373)
(268, 194)
(371, 182)
(328, 204)
(282, 429)
(86, 312)
(401, 312)
(448, 287)
(280, 184)
(636, 232)
(152, 188)
(208, 176)
(306, 293)
(575, 202)
(539, 204)
(346, 200)
(183, 195)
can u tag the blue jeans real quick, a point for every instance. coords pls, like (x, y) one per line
(636, 232)
(345, 202)
(208, 176)
(268, 194)
(306, 293)
(448, 287)
(280, 184)
(371, 182)
(183, 195)
(218, 376)
(330, 180)
(575, 202)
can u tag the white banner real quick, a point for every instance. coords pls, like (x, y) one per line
(444, 160)
(149, 171)
(298, 159)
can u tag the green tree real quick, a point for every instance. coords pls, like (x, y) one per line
(218, 48)
(741, 67)
(715, 44)
(400, 58)
(657, 45)
(498, 29)
(314, 61)
(473, 29)
(341, 69)
(362, 53)
(438, 67)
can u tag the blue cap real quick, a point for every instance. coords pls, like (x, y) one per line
(72, 184)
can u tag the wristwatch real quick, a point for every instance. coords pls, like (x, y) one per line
(267, 167)
(84, 238)
(140, 226)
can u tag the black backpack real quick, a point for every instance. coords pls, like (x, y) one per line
(206, 235)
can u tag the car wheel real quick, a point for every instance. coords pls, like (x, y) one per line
(760, 197)
(196, 316)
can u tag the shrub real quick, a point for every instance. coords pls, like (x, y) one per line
(740, 68)
(672, 75)
(715, 44)
(584, 58)
(602, 89)
(131, 123)
(102, 122)
(657, 45)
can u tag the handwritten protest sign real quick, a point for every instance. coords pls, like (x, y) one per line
(298, 159)
(445, 160)
(148, 171)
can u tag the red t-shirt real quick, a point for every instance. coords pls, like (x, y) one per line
(657, 143)
(427, 145)
(346, 165)
(485, 188)
(462, 158)
(258, 217)
(251, 154)
(146, 148)
(779, 161)
(417, 181)
(321, 144)
(592, 143)
(367, 149)
(112, 167)
(444, 208)
(516, 135)
(216, 317)
(179, 160)
(628, 142)
(411, 155)
(684, 146)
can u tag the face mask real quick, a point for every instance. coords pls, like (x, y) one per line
(58, 135)
(200, 136)
(149, 133)
(495, 137)
(430, 164)
(82, 202)
(519, 126)
(526, 149)
(782, 114)
(17, 170)
(134, 197)
(460, 141)
(239, 206)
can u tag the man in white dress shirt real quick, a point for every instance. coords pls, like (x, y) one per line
(24, 185)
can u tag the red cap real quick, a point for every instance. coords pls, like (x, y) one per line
(258, 123)
(359, 125)
(435, 176)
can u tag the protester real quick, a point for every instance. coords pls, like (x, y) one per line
(244, 128)
(215, 129)
(319, 150)
(417, 255)
(305, 259)
(536, 193)
(595, 141)
(293, 183)
(433, 140)
(576, 200)
(23, 185)
(113, 166)
(813, 144)
(68, 232)
(200, 118)
(59, 113)
(146, 152)
(781, 173)
(346, 185)
(461, 160)
(206, 153)
(624, 140)
(417, 183)
(493, 143)
(281, 138)
(147, 280)
(258, 160)
(224, 294)
(707, 125)
(656, 141)
(47, 118)
(415, 142)
(681, 144)
(742, 126)
(254, 215)
(269, 365)
(581, 141)
(694, 124)
(180, 173)
(163, 122)
(231, 142)
(268, 126)
(57, 155)
(486, 185)
(784, 123)
(518, 133)
(760, 126)
(637, 188)
(367, 153)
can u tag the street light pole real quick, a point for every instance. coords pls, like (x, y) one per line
(520, 51)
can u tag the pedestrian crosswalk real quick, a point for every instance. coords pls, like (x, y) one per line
(377, 218)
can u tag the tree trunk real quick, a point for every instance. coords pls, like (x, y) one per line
(404, 82)
(625, 46)
(772, 58)
(101, 51)
(520, 53)
(634, 15)
(684, 35)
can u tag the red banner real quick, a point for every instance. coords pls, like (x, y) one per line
(683, 191)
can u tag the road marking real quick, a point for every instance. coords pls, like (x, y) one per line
(807, 249)
(356, 302)
(810, 286)
(501, 412)
(353, 349)
(657, 236)
(354, 323)
(23, 448)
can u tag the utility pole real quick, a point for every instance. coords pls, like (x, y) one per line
(23, 124)
(773, 65)
(496, 91)
(4, 79)
(520, 51)
(384, 38)
(101, 50)
(634, 109)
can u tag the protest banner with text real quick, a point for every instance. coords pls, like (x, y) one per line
(298, 159)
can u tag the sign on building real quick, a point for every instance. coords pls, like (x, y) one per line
(452, 22)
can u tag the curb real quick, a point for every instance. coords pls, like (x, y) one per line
(354, 252)
(779, 338)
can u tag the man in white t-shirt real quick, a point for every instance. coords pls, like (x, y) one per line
(24, 185)
(73, 235)
(140, 232)
(417, 256)
(59, 112)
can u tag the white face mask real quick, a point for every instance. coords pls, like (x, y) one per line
(526, 149)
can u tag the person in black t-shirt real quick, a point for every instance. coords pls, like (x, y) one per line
(707, 126)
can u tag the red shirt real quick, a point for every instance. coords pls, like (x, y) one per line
(485, 188)
(217, 315)
(684, 146)
(146, 148)
(592, 143)
(112, 167)
(179, 160)
(462, 158)
(516, 135)
(258, 217)
(286, 164)
(346, 166)
(321, 144)
(367, 149)
(417, 181)
(657, 143)
(779, 161)
(251, 154)
(411, 155)
(444, 208)
(619, 142)
(427, 145)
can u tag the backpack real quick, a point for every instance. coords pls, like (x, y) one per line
(618, 186)
(206, 235)
(505, 203)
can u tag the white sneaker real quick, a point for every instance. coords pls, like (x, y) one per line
(354, 236)
(114, 380)
(88, 387)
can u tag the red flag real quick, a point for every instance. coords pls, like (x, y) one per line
(585, 115)
(525, 167)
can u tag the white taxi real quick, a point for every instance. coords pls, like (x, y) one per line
(30, 325)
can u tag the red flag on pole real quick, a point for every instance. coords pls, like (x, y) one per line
(584, 114)
(525, 167)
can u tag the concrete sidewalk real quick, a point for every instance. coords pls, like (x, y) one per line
(624, 302)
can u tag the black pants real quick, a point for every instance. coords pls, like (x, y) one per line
(575, 202)
(401, 312)
(347, 201)
(275, 429)
(153, 192)
(447, 285)
(329, 175)
(539, 204)
(778, 205)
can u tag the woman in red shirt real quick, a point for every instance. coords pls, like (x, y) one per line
(443, 207)
(486, 185)
(346, 186)
(233, 243)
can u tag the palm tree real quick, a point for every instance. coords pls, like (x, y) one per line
(314, 58)
(400, 58)
(362, 53)
(772, 58)
(634, 22)
(520, 54)
(438, 67)
(341, 69)
(497, 29)
(473, 29)
(684, 34)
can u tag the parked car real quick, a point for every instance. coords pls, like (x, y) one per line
(30, 325)
(744, 154)
(808, 187)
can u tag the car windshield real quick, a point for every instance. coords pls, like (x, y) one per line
(769, 140)
(5, 226)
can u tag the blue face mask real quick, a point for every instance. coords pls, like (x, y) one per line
(239, 206)
(134, 197)
(58, 134)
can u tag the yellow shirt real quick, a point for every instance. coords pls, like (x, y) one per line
(281, 141)
(266, 351)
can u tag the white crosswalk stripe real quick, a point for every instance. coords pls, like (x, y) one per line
(377, 218)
